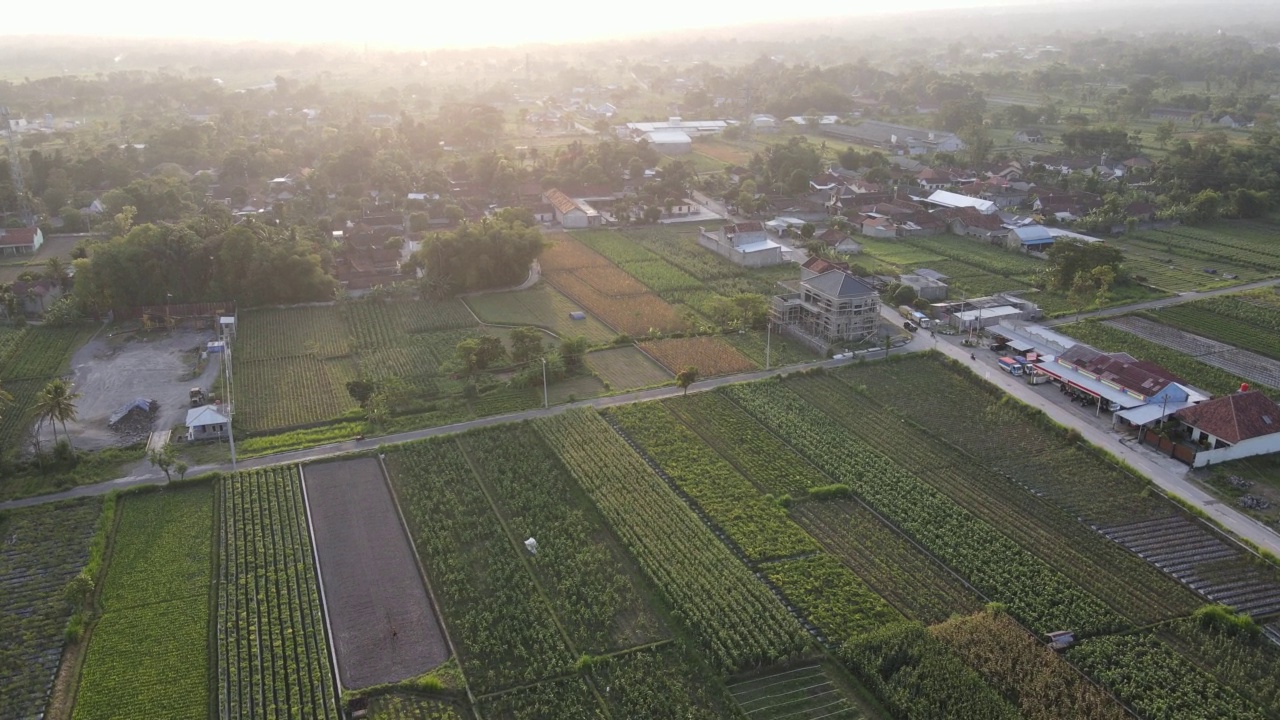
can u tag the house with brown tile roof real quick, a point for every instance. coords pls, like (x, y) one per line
(1235, 426)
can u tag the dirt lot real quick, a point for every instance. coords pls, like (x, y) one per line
(384, 627)
(111, 371)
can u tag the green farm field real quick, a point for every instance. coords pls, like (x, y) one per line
(148, 649)
(29, 358)
(853, 544)
(1249, 321)
(540, 306)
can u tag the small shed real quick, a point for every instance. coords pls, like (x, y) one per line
(1061, 639)
(577, 315)
(206, 423)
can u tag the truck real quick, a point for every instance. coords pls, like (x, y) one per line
(1009, 365)
(918, 318)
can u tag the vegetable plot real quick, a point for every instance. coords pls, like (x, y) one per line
(149, 651)
(993, 563)
(1039, 682)
(752, 449)
(1156, 681)
(272, 655)
(501, 625)
(579, 562)
(901, 573)
(1130, 585)
(41, 549)
(711, 355)
(755, 523)
(831, 596)
(735, 618)
(916, 676)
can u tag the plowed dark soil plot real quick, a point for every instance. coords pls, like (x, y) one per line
(384, 628)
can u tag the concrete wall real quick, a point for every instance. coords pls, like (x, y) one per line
(205, 432)
(1243, 449)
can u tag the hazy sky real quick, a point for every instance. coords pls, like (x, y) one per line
(425, 23)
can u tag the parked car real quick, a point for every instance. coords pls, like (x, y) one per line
(910, 326)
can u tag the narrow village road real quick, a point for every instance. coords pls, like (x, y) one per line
(155, 477)
(1166, 473)
(1161, 303)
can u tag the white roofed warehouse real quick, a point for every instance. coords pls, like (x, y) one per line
(669, 142)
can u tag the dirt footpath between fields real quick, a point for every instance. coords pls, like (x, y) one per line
(380, 615)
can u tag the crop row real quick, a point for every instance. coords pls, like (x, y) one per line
(270, 333)
(831, 596)
(40, 353)
(1156, 681)
(502, 625)
(901, 573)
(565, 253)
(999, 567)
(149, 651)
(1225, 319)
(578, 562)
(711, 356)
(610, 280)
(915, 675)
(736, 436)
(981, 256)
(759, 526)
(683, 251)
(735, 618)
(272, 655)
(1244, 661)
(660, 682)
(412, 707)
(634, 315)
(43, 548)
(1200, 243)
(567, 698)
(662, 277)
(1129, 585)
(16, 417)
(1012, 440)
(1039, 682)
(290, 391)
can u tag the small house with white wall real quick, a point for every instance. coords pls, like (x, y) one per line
(206, 423)
(20, 241)
(1234, 426)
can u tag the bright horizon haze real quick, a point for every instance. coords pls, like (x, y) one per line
(426, 25)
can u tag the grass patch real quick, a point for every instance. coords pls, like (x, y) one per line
(626, 368)
(540, 306)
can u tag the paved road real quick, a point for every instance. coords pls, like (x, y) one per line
(147, 475)
(1162, 302)
(1164, 472)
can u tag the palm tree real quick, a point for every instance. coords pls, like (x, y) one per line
(56, 270)
(57, 404)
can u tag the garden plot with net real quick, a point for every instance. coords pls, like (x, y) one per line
(1242, 363)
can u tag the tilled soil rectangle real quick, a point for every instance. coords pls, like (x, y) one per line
(384, 627)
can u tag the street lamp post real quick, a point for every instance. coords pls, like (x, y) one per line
(545, 403)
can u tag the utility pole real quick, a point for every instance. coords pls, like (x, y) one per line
(545, 403)
(226, 382)
(768, 343)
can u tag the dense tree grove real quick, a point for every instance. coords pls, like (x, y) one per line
(200, 261)
(478, 256)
